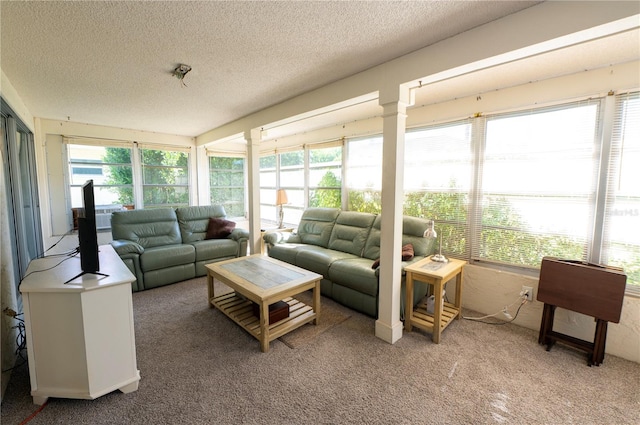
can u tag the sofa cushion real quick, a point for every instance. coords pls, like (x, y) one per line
(319, 259)
(372, 247)
(355, 273)
(350, 232)
(194, 221)
(161, 257)
(316, 225)
(148, 228)
(212, 249)
(168, 275)
(219, 228)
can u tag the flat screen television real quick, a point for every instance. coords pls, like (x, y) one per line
(88, 233)
(87, 230)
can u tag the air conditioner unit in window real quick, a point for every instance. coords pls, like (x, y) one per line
(103, 215)
(103, 221)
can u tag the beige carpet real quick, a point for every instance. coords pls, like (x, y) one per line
(330, 315)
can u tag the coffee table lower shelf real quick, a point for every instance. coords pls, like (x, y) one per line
(240, 310)
(424, 320)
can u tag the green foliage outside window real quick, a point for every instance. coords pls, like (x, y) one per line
(364, 201)
(226, 178)
(502, 239)
(120, 175)
(165, 180)
(325, 197)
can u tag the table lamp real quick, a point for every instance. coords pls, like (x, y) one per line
(431, 233)
(281, 199)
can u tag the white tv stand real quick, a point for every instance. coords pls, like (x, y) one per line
(80, 335)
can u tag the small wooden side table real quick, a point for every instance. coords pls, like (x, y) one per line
(435, 274)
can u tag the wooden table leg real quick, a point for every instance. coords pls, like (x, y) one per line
(264, 326)
(210, 289)
(546, 325)
(408, 302)
(459, 294)
(316, 303)
(599, 342)
(437, 311)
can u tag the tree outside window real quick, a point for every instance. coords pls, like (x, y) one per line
(226, 179)
(165, 178)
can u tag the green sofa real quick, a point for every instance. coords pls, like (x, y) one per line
(164, 246)
(342, 246)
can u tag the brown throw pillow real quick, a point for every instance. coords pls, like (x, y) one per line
(407, 254)
(219, 228)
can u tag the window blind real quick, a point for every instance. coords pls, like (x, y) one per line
(438, 170)
(622, 208)
(537, 184)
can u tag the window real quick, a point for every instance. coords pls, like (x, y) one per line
(538, 184)
(364, 174)
(108, 167)
(226, 178)
(325, 177)
(437, 181)
(112, 175)
(292, 179)
(622, 211)
(268, 187)
(311, 177)
(165, 178)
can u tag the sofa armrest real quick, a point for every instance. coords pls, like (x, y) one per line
(404, 264)
(239, 234)
(123, 247)
(273, 238)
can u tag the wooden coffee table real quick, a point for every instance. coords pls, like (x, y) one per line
(264, 281)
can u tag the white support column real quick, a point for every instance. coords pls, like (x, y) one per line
(253, 179)
(394, 101)
(203, 186)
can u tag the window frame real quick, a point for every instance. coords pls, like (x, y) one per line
(187, 174)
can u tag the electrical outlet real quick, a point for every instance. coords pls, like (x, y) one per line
(529, 291)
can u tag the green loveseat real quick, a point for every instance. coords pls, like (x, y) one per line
(342, 246)
(164, 246)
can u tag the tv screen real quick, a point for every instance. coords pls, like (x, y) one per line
(87, 231)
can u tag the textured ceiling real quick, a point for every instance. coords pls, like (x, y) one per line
(110, 63)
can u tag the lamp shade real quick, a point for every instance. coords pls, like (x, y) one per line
(281, 197)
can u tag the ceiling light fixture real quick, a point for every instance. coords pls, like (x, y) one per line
(180, 71)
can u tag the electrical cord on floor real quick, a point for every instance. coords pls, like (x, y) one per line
(21, 338)
(522, 299)
(33, 415)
